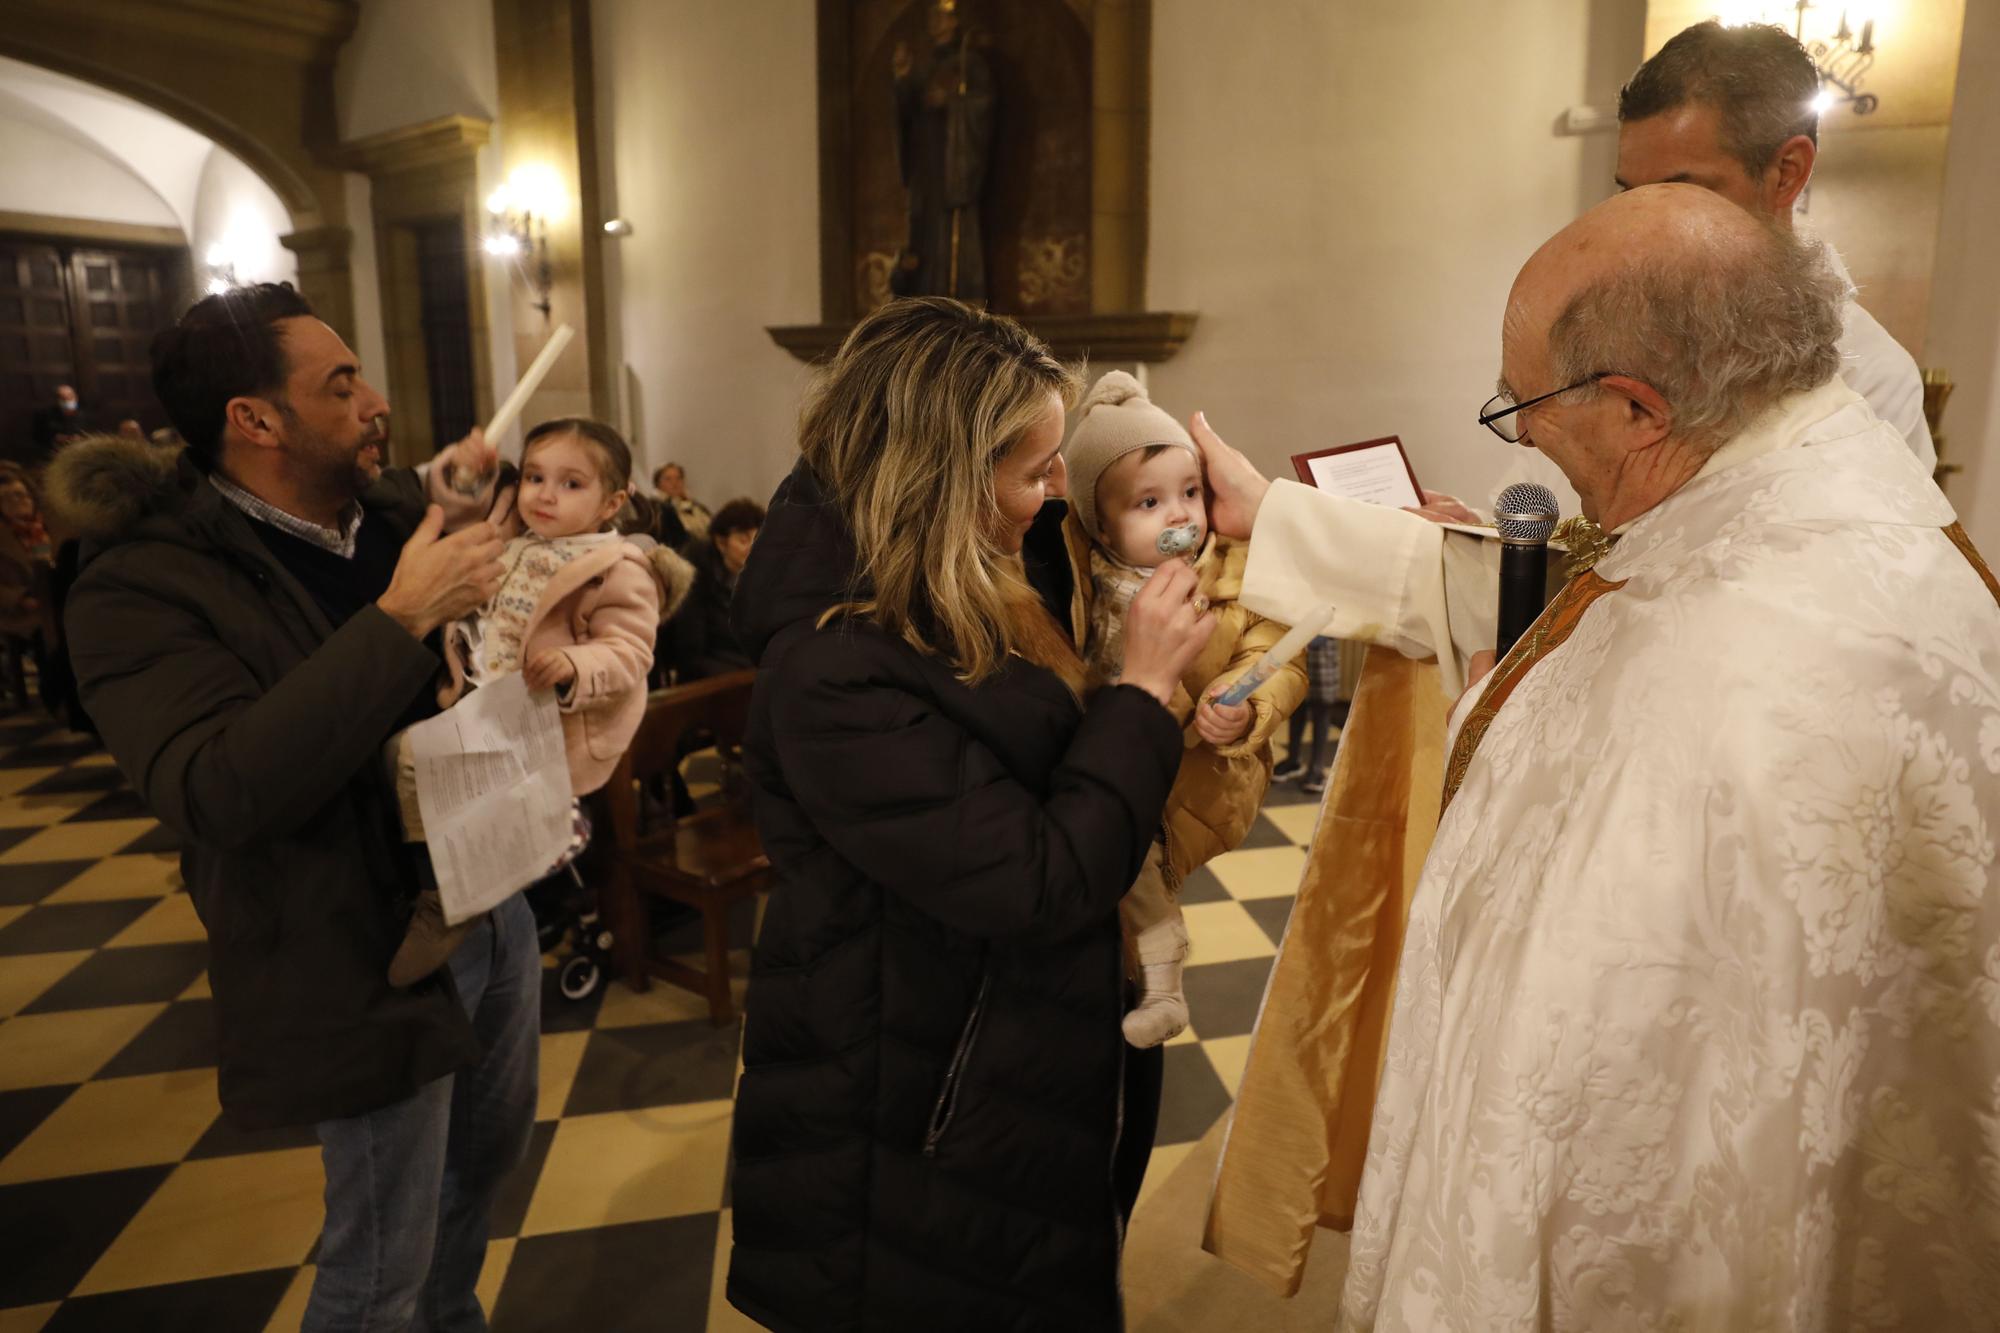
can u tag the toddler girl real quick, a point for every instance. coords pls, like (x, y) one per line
(576, 612)
(1134, 478)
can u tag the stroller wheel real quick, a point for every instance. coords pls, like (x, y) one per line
(579, 977)
(602, 941)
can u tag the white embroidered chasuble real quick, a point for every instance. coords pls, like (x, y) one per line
(1698, 1019)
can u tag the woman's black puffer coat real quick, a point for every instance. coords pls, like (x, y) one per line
(932, 1058)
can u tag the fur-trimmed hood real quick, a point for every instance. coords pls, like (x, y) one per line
(103, 487)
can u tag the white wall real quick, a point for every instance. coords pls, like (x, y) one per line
(50, 170)
(236, 211)
(1345, 193)
(410, 61)
(708, 129)
(1965, 299)
(414, 60)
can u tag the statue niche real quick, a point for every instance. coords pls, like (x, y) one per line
(991, 150)
(944, 140)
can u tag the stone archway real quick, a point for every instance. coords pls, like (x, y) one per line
(255, 76)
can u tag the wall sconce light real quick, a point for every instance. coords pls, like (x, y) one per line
(522, 209)
(618, 227)
(1843, 56)
(221, 268)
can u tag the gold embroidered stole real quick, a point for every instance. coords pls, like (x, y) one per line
(1549, 632)
(1965, 548)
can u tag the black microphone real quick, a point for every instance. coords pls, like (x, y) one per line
(1525, 514)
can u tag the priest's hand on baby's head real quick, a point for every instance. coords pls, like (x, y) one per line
(1236, 489)
(1221, 724)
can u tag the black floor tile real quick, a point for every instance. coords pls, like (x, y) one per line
(240, 1303)
(1271, 914)
(32, 881)
(1263, 833)
(113, 805)
(88, 777)
(1194, 1098)
(25, 732)
(639, 1277)
(59, 751)
(1287, 794)
(182, 1037)
(1223, 997)
(61, 926)
(657, 1064)
(225, 1140)
(1203, 887)
(144, 974)
(22, 1109)
(158, 839)
(52, 1231)
(510, 1205)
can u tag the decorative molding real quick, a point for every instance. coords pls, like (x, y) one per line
(90, 229)
(309, 31)
(1140, 335)
(408, 147)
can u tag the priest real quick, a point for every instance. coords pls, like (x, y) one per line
(1698, 1016)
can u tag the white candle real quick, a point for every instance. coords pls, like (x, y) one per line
(529, 383)
(1284, 650)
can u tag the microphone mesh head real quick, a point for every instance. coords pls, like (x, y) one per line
(1526, 512)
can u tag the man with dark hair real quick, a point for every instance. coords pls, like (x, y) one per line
(705, 642)
(1733, 110)
(253, 620)
(670, 480)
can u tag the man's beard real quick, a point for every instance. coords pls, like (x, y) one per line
(340, 472)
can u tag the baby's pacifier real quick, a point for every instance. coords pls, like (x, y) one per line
(1178, 541)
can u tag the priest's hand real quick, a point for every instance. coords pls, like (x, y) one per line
(1441, 508)
(1222, 724)
(1236, 488)
(1164, 631)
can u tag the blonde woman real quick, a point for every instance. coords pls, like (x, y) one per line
(928, 1128)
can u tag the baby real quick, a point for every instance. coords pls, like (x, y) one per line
(576, 612)
(1137, 500)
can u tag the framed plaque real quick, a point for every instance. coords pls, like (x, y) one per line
(1374, 471)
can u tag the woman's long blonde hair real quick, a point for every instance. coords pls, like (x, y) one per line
(922, 401)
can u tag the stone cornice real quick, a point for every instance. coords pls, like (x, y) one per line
(1137, 335)
(445, 139)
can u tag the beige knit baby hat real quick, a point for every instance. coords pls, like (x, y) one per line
(1114, 418)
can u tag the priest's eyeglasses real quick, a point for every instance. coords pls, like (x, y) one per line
(1502, 405)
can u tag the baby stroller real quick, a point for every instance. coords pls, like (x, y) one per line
(566, 917)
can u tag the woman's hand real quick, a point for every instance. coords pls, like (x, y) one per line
(1236, 488)
(1222, 724)
(1164, 632)
(550, 668)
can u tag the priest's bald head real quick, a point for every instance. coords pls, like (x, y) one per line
(1672, 318)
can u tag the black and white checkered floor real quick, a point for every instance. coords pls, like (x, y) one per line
(125, 1202)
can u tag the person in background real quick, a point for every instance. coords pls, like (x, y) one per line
(26, 555)
(58, 424)
(1732, 109)
(131, 429)
(1322, 697)
(705, 642)
(255, 616)
(671, 482)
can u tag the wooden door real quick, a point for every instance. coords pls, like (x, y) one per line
(119, 302)
(37, 351)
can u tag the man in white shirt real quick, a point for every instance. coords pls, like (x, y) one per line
(1731, 109)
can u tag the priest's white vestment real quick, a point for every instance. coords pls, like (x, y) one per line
(1698, 1017)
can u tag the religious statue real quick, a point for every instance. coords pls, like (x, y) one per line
(944, 137)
